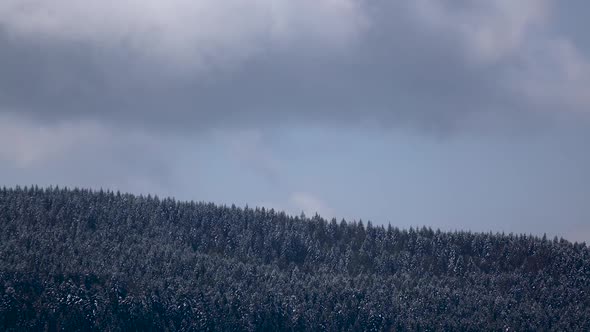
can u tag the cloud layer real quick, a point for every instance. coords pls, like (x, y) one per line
(197, 65)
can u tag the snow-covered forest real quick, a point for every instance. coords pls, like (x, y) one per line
(75, 259)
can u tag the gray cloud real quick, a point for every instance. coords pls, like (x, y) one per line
(84, 154)
(195, 65)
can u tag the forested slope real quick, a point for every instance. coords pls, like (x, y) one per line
(79, 259)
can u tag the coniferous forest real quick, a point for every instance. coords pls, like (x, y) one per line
(98, 260)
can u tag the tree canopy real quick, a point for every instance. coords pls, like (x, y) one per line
(76, 259)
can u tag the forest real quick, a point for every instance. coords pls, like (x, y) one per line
(78, 259)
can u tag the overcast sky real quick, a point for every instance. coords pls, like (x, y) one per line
(458, 115)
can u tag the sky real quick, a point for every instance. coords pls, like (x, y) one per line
(456, 115)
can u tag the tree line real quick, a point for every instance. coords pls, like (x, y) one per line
(77, 259)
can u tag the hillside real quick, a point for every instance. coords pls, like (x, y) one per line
(95, 260)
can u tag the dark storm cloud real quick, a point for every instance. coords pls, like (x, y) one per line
(426, 63)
